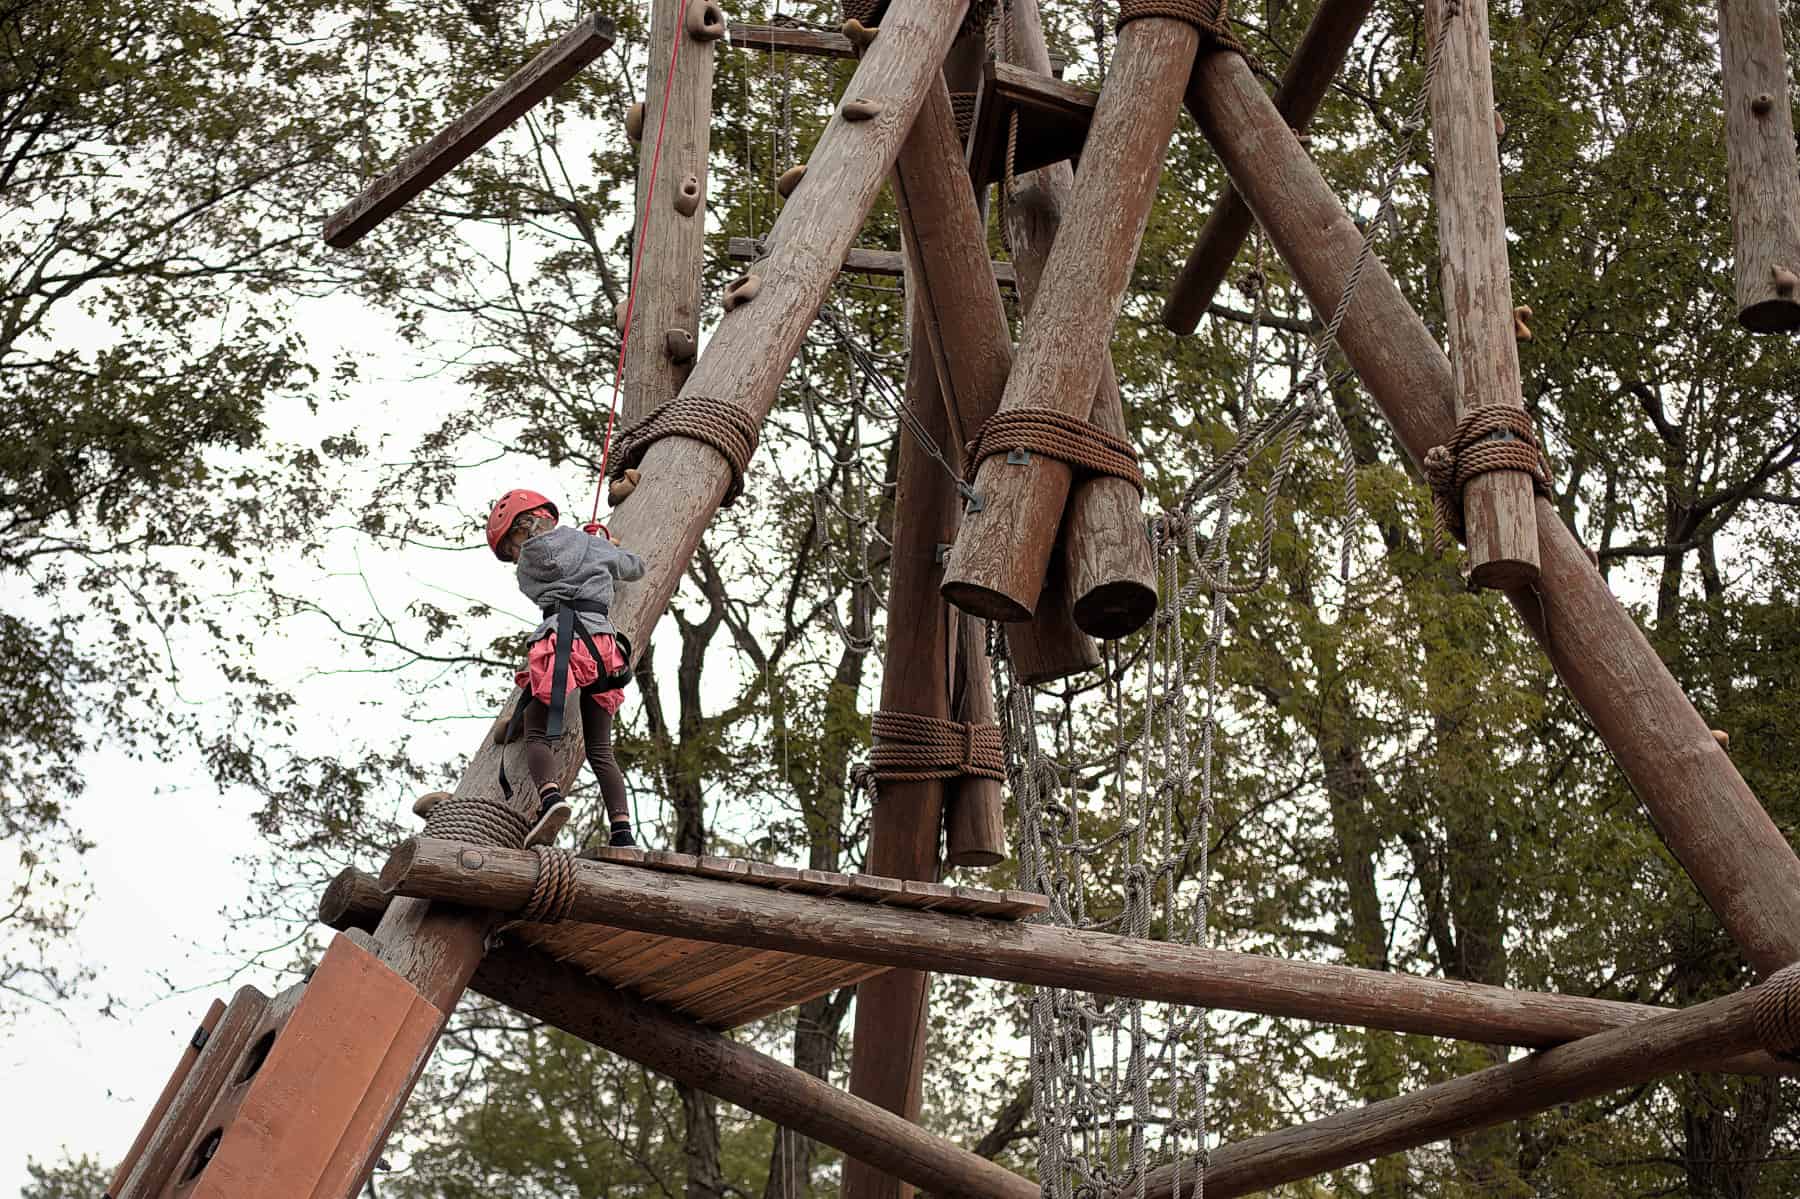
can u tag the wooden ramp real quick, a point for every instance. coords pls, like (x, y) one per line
(724, 986)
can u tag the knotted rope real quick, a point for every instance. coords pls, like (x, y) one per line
(553, 893)
(1776, 1012)
(910, 748)
(1492, 437)
(1083, 446)
(477, 821)
(1211, 17)
(963, 105)
(720, 424)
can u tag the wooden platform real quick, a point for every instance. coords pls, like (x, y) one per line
(1053, 121)
(724, 986)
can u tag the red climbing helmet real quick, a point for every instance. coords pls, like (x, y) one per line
(507, 509)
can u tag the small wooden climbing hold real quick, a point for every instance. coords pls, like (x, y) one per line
(705, 21)
(1723, 738)
(1521, 330)
(741, 290)
(861, 109)
(790, 179)
(1499, 124)
(1786, 281)
(618, 489)
(634, 122)
(857, 34)
(687, 196)
(422, 806)
(679, 345)
(1762, 104)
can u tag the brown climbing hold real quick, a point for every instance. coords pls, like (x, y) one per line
(620, 488)
(1786, 281)
(687, 196)
(1499, 124)
(1762, 104)
(1593, 556)
(741, 290)
(1521, 330)
(1723, 738)
(679, 345)
(634, 122)
(790, 179)
(861, 109)
(422, 806)
(857, 34)
(705, 21)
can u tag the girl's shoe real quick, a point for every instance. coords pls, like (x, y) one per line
(621, 835)
(553, 813)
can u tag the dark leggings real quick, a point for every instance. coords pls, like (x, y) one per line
(596, 729)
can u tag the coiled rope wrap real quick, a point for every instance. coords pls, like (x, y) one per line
(720, 424)
(553, 893)
(1492, 437)
(1211, 17)
(870, 12)
(963, 105)
(1069, 439)
(1776, 1012)
(477, 821)
(910, 748)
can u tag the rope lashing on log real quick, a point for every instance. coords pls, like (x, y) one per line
(1068, 439)
(1211, 17)
(477, 821)
(720, 424)
(553, 894)
(1490, 438)
(910, 748)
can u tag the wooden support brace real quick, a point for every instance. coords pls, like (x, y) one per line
(1042, 954)
(190, 1054)
(547, 990)
(1315, 62)
(1497, 507)
(1002, 556)
(1690, 1039)
(1706, 814)
(1765, 182)
(554, 66)
(860, 261)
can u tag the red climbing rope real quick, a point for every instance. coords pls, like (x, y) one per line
(637, 256)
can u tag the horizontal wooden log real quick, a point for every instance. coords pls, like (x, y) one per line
(553, 67)
(1624, 1057)
(1315, 63)
(1698, 801)
(547, 990)
(788, 39)
(1043, 954)
(860, 261)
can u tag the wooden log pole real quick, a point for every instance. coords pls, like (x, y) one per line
(1000, 560)
(1638, 1053)
(672, 240)
(1699, 803)
(975, 812)
(585, 1007)
(1046, 955)
(887, 1054)
(1315, 63)
(1501, 529)
(1107, 567)
(553, 67)
(1764, 180)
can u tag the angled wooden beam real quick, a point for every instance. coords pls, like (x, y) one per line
(1696, 798)
(544, 989)
(859, 261)
(1046, 955)
(1497, 507)
(1316, 61)
(1765, 182)
(553, 66)
(1670, 1043)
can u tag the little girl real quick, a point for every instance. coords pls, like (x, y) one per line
(569, 575)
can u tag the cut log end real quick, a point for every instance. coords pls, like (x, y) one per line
(1505, 574)
(984, 602)
(1774, 315)
(974, 858)
(399, 865)
(1115, 610)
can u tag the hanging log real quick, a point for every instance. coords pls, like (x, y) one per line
(975, 815)
(1699, 803)
(1046, 955)
(544, 989)
(1765, 181)
(1477, 286)
(671, 240)
(1315, 63)
(553, 67)
(1609, 1061)
(999, 564)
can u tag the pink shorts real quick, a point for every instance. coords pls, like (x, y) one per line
(540, 664)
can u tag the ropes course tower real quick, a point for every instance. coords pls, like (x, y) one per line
(1021, 557)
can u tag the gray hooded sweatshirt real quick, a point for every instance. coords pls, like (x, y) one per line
(567, 564)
